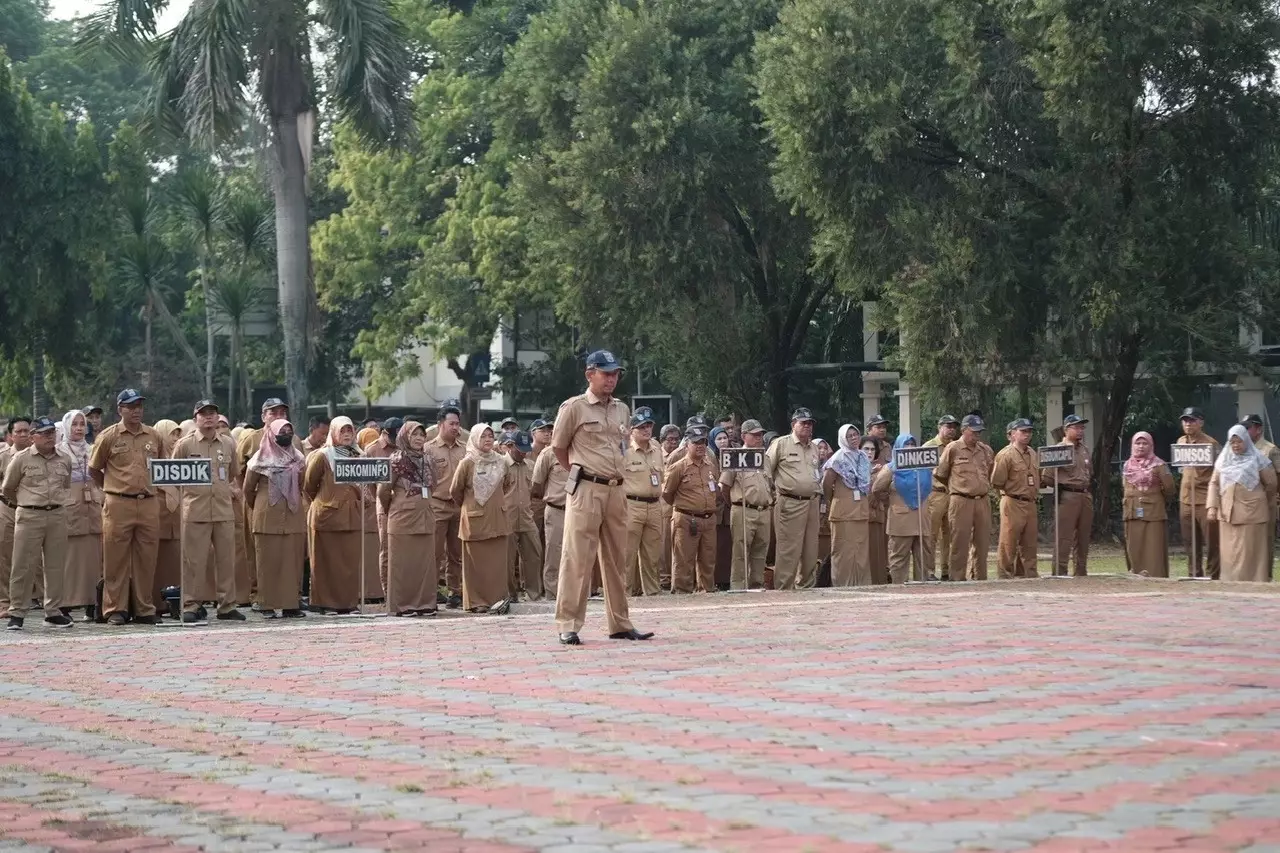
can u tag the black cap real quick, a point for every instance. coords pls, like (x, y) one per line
(43, 425)
(508, 436)
(642, 416)
(127, 396)
(801, 414)
(1251, 420)
(973, 422)
(695, 421)
(696, 435)
(604, 360)
(876, 420)
(522, 441)
(1191, 413)
(91, 410)
(274, 403)
(451, 406)
(1020, 423)
(509, 420)
(392, 424)
(539, 423)
(948, 419)
(205, 404)
(1074, 420)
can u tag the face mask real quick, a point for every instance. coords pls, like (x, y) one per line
(284, 440)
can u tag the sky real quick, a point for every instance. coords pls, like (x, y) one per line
(77, 8)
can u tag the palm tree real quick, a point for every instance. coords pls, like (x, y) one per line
(229, 58)
(237, 295)
(198, 203)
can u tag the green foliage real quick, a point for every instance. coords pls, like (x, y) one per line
(22, 27)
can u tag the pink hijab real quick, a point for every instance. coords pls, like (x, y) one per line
(280, 465)
(1140, 470)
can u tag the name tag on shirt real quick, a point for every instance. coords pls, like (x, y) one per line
(1031, 481)
(222, 473)
(426, 492)
(653, 480)
(857, 495)
(1140, 512)
(711, 485)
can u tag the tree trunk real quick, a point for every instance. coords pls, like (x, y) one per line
(39, 395)
(292, 257)
(208, 323)
(779, 417)
(146, 325)
(1024, 396)
(231, 377)
(1113, 414)
(244, 376)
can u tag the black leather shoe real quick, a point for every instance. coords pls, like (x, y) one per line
(117, 618)
(231, 616)
(570, 638)
(633, 634)
(189, 618)
(146, 620)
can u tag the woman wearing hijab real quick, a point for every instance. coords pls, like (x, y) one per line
(875, 449)
(333, 523)
(480, 486)
(277, 520)
(83, 518)
(846, 485)
(412, 577)
(824, 523)
(366, 437)
(1148, 488)
(904, 492)
(1241, 490)
(169, 554)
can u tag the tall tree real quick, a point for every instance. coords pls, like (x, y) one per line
(198, 205)
(22, 27)
(225, 60)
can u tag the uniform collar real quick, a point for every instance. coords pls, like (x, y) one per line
(636, 446)
(594, 400)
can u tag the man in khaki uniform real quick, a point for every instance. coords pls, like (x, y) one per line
(589, 441)
(1017, 477)
(691, 488)
(1194, 488)
(1253, 424)
(791, 464)
(17, 437)
(208, 516)
(120, 466)
(964, 467)
(445, 450)
(878, 427)
(317, 433)
(548, 484)
(642, 471)
(523, 542)
(37, 483)
(1075, 500)
(670, 437)
(540, 435)
(750, 521)
(935, 507)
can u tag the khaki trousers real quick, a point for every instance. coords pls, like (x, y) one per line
(750, 529)
(795, 524)
(246, 571)
(595, 526)
(644, 548)
(1075, 526)
(130, 541)
(524, 549)
(664, 570)
(905, 550)
(449, 551)
(6, 556)
(383, 545)
(693, 553)
(553, 530)
(970, 520)
(39, 538)
(197, 539)
(935, 508)
(1016, 552)
(851, 553)
(1207, 549)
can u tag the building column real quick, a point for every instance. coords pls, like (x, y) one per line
(1054, 407)
(1251, 396)
(909, 412)
(870, 352)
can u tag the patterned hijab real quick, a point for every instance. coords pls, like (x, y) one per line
(488, 469)
(853, 468)
(1140, 469)
(409, 465)
(1241, 467)
(280, 465)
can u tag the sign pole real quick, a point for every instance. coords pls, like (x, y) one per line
(917, 459)
(362, 549)
(920, 542)
(738, 460)
(362, 472)
(180, 473)
(1193, 456)
(1056, 536)
(1194, 570)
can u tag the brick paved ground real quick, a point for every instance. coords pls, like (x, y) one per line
(1045, 716)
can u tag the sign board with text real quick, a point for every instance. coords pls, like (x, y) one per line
(742, 459)
(181, 472)
(361, 470)
(1192, 455)
(911, 458)
(1056, 456)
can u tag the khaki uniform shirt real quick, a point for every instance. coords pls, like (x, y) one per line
(520, 501)
(444, 460)
(209, 503)
(278, 519)
(124, 459)
(643, 473)
(1016, 473)
(6, 453)
(551, 478)
(1197, 478)
(937, 441)
(793, 467)
(594, 431)
(32, 479)
(966, 470)
(1078, 475)
(749, 487)
(691, 486)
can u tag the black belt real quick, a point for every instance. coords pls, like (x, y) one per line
(45, 508)
(142, 496)
(797, 497)
(555, 506)
(603, 481)
(749, 506)
(642, 500)
(1075, 489)
(5, 502)
(1019, 498)
(963, 495)
(695, 514)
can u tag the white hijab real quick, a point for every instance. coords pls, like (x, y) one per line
(331, 447)
(77, 450)
(1240, 468)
